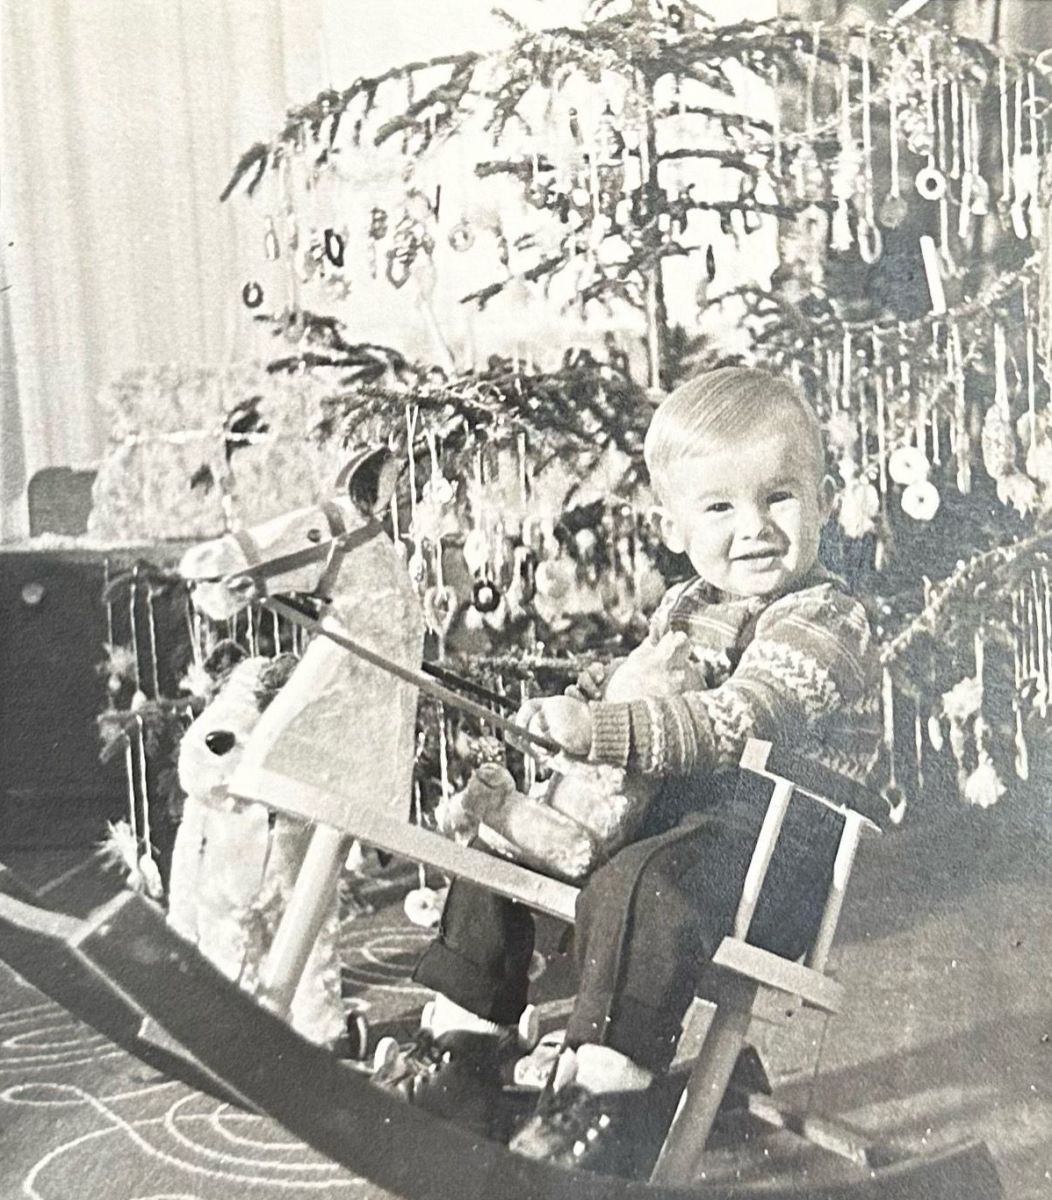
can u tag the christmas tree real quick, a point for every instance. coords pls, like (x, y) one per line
(565, 228)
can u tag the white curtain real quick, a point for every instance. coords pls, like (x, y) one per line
(122, 120)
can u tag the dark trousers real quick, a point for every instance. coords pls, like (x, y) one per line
(647, 922)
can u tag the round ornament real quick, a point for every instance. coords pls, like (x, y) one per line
(252, 295)
(485, 596)
(893, 210)
(907, 465)
(920, 501)
(553, 578)
(461, 236)
(335, 247)
(931, 183)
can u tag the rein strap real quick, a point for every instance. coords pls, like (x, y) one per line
(418, 679)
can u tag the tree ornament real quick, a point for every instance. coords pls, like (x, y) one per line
(609, 140)
(461, 236)
(859, 507)
(485, 596)
(335, 245)
(252, 294)
(271, 246)
(440, 608)
(476, 551)
(920, 501)
(907, 465)
(418, 566)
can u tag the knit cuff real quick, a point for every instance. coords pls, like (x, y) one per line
(611, 734)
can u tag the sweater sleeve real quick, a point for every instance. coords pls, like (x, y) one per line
(811, 656)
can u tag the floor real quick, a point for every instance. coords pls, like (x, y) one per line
(945, 951)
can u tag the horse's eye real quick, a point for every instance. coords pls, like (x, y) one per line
(314, 535)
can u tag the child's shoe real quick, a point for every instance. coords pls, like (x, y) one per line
(574, 1127)
(455, 1075)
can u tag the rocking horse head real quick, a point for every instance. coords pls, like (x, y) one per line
(340, 730)
(300, 551)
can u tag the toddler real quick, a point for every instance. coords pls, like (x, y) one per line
(780, 652)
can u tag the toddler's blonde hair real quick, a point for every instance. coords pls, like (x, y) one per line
(727, 405)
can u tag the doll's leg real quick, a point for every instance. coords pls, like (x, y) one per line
(481, 957)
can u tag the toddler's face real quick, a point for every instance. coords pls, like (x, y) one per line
(748, 513)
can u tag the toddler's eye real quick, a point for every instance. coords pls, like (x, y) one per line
(779, 497)
(718, 506)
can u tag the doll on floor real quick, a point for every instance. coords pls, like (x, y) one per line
(235, 862)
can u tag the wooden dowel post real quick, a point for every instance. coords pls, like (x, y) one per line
(310, 903)
(842, 864)
(761, 856)
(677, 1163)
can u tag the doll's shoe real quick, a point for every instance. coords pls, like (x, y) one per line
(456, 1076)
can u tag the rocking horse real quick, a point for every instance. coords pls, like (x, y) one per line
(336, 749)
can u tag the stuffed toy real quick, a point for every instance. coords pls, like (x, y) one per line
(235, 862)
(584, 812)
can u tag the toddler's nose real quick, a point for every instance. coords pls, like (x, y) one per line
(220, 741)
(752, 521)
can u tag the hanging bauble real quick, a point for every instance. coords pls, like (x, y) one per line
(930, 183)
(893, 211)
(554, 578)
(418, 207)
(920, 501)
(998, 442)
(440, 607)
(334, 247)
(859, 506)
(378, 223)
(983, 787)
(271, 246)
(417, 566)
(1019, 491)
(609, 140)
(476, 551)
(338, 287)
(461, 236)
(252, 294)
(935, 735)
(907, 465)
(305, 261)
(485, 596)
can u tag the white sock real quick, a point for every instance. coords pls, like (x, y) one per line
(446, 1016)
(601, 1069)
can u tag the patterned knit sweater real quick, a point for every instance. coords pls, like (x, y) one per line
(798, 669)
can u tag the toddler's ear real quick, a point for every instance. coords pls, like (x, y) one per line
(827, 494)
(667, 529)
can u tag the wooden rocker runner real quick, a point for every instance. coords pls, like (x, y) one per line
(123, 963)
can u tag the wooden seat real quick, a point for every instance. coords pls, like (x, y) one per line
(738, 971)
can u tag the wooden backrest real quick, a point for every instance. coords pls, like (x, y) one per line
(758, 758)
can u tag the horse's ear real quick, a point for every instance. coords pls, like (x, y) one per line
(370, 478)
(224, 658)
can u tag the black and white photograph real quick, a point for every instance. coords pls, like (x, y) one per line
(526, 599)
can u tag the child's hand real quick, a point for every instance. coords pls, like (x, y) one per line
(563, 719)
(589, 683)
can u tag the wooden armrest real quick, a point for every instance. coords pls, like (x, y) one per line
(813, 988)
